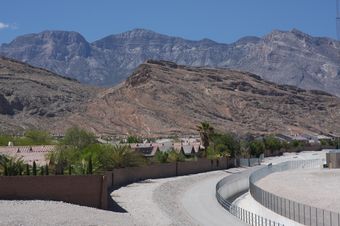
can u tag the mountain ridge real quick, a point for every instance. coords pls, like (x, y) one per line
(284, 57)
(162, 98)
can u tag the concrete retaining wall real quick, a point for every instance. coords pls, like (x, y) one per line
(88, 190)
(233, 185)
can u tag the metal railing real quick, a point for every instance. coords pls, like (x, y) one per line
(293, 210)
(230, 187)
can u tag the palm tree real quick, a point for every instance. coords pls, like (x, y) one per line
(123, 156)
(11, 166)
(205, 130)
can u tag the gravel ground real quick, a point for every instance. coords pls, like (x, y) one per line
(322, 183)
(46, 213)
(150, 202)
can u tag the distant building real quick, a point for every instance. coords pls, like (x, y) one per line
(150, 149)
(289, 138)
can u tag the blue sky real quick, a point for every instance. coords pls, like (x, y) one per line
(220, 20)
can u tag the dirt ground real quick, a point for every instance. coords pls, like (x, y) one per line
(314, 187)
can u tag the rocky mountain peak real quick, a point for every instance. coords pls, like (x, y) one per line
(64, 37)
(138, 33)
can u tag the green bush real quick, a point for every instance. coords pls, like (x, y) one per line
(161, 157)
(213, 154)
(174, 156)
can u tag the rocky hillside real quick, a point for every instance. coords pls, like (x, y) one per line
(165, 98)
(291, 57)
(36, 98)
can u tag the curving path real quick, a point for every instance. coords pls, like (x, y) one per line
(200, 203)
(185, 200)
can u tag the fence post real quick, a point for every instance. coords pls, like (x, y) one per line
(299, 212)
(294, 209)
(304, 214)
(310, 215)
(323, 217)
(330, 218)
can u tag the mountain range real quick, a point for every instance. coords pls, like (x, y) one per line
(284, 57)
(161, 98)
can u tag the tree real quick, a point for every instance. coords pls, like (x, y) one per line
(46, 170)
(34, 169)
(5, 169)
(227, 143)
(79, 138)
(89, 166)
(122, 156)
(272, 143)
(205, 131)
(69, 170)
(256, 148)
(27, 169)
(41, 170)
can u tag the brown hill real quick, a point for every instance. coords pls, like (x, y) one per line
(32, 97)
(165, 98)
